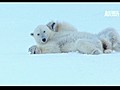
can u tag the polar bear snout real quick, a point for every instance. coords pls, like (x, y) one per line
(44, 40)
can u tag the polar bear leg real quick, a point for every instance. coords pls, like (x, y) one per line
(86, 46)
(116, 41)
(34, 50)
(114, 37)
(107, 46)
(52, 48)
(116, 46)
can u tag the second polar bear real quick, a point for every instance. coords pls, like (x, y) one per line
(65, 41)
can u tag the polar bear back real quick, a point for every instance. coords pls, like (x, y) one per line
(73, 35)
(69, 38)
(64, 26)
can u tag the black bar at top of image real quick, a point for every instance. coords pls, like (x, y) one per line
(49, 1)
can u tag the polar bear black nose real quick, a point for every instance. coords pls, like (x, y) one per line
(44, 39)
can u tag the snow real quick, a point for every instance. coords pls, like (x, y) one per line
(18, 67)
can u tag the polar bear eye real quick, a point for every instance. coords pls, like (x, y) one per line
(43, 31)
(38, 34)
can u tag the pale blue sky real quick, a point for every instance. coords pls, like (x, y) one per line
(84, 16)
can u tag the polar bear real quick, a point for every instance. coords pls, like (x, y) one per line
(110, 39)
(56, 26)
(49, 41)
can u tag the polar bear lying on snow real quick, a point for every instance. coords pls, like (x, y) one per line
(64, 40)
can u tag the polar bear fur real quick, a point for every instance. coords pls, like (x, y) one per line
(110, 39)
(109, 36)
(60, 26)
(49, 41)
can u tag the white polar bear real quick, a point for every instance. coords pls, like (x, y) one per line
(56, 27)
(110, 39)
(49, 41)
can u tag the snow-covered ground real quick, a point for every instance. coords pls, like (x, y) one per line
(18, 67)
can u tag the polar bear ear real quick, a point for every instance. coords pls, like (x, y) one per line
(32, 34)
(52, 26)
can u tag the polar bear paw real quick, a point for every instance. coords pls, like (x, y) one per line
(108, 51)
(34, 50)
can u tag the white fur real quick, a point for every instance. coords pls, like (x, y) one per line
(60, 26)
(110, 39)
(67, 41)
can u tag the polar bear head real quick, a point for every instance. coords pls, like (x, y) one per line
(42, 34)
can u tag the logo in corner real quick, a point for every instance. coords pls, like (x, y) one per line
(111, 13)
